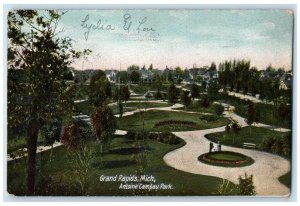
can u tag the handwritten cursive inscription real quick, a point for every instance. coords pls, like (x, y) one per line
(98, 26)
(130, 25)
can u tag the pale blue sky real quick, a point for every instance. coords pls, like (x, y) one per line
(183, 37)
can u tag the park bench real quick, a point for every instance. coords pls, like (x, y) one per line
(249, 145)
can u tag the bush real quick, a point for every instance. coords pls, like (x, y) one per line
(235, 127)
(267, 143)
(227, 128)
(175, 123)
(164, 137)
(76, 135)
(277, 145)
(205, 102)
(219, 109)
(246, 186)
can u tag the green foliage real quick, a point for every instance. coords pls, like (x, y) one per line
(263, 138)
(246, 185)
(224, 188)
(121, 93)
(104, 123)
(123, 77)
(135, 122)
(100, 89)
(162, 137)
(133, 68)
(213, 90)
(80, 165)
(205, 101)
(194, 91)
(157, 94)
(219, 109)
(251, 113)
(53, 131)
(185, 98)
(277, 145)
(49, 186)
(120, 106)
(135, 76)
(42, 93)
(173, 93)
(75, 135)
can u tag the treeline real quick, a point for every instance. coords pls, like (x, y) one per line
(239, 76)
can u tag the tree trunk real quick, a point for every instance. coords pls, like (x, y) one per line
(32, 136)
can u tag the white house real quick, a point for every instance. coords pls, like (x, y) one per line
(111, 75)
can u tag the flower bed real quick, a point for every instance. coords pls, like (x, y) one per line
(226, 159)
(175, 123)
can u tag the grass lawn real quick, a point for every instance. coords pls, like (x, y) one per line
(84, 108)
(142, 105)
(266, 112)
(151, 118)
(115, 109)
(246, 134)
(19, 142)
(119, 160)
(286, 179)
(143, 88)
(196, 107)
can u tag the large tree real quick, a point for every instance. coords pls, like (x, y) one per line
(195, 91)
(100, 88)
(185, 98)
(172, 93)
(36, 47)
(104, 124)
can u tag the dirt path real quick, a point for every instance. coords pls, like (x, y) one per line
(266, 168)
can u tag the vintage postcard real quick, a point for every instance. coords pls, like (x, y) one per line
(149, 102)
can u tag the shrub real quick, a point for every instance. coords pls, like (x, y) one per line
(267, 143)
(277, 145)
(205, 102)
(76, 135)
(227, 128)
(246, 186)
(164, 137)
(219, 109)
(235, 127)
(175, 123)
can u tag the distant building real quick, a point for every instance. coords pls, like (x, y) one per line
(204, 74)
(147, 76)
(285, 81)
(111, 75)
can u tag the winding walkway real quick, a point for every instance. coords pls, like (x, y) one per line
(266, 169)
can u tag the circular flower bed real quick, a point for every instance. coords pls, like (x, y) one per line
(226, 159)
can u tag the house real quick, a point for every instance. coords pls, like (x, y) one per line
(285, 81)
(111, 75)
(204, 74)
(147, 76)
(264, 75)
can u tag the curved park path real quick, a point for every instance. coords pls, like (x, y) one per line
(266, 169)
